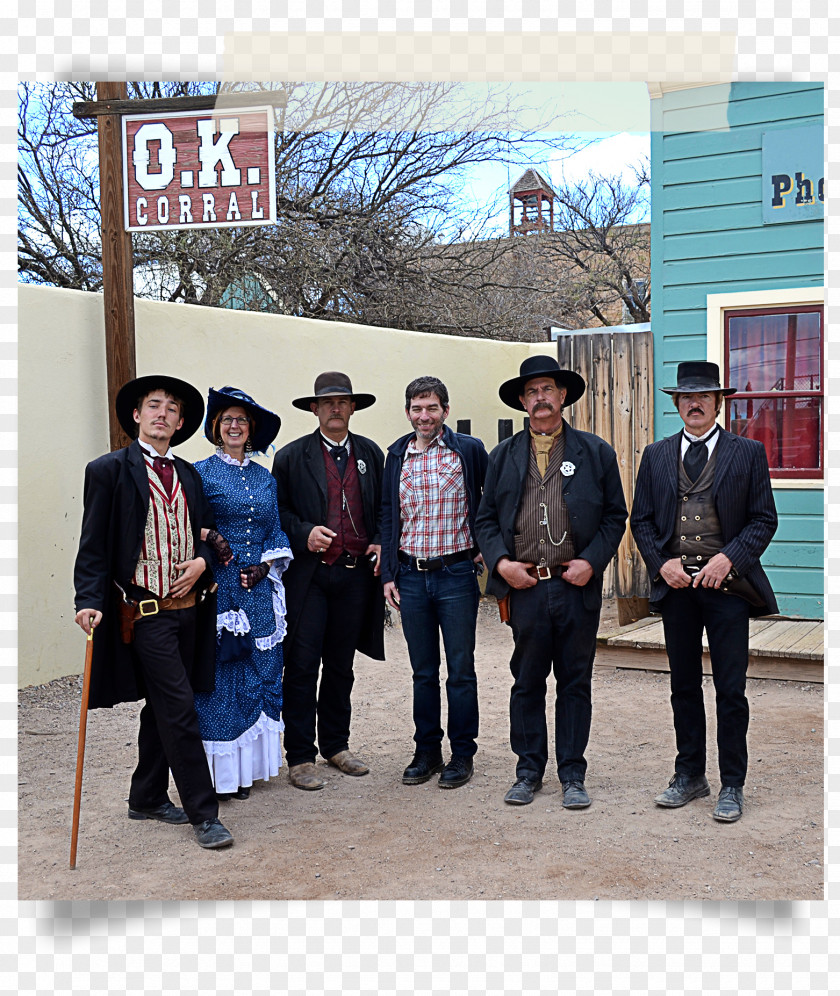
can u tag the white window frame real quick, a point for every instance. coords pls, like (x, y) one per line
(718, 304)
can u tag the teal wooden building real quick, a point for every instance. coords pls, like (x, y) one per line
(738, 278)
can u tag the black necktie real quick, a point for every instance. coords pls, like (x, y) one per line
(339, 454)
(695, 459)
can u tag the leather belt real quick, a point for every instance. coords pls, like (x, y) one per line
(545, 573)
(151, 606)
(347, 560)
(434, 563)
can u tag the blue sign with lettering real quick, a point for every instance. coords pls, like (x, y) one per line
(792, 174)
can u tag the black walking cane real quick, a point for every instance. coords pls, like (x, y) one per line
(80, 757)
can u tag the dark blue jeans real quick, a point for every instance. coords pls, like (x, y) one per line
(726, 618)
(435, 603)
(551, 630)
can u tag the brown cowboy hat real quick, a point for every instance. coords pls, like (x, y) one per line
(541, 366)
(333, 384)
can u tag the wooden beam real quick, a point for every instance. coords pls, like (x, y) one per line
(205, 102)
(117, 262)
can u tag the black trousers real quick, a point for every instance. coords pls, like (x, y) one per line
(726, 619)
(552, 629)
(330, 624)
(169, 737)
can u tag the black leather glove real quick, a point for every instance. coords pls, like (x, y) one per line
(220, 546)
(253, 574)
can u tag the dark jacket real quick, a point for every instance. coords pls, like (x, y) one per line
(593, 497)
(116, 504)
(302, 501)
(474, 464)
(743, 498)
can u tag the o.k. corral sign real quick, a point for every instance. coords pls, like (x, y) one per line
(206, 169)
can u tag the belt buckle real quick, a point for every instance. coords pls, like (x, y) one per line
(153, 611)
(417, 562)
(547, 575)
(347, 561)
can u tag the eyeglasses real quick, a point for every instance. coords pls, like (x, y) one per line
(227, 420)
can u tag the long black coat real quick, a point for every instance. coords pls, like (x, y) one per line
(302, 501)
(743, 498)
(116, 505)
(593, 496)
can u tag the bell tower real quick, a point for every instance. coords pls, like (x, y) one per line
(534, 198)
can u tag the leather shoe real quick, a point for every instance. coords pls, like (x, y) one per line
(522, 791)
(213, 833)
(167, 813)
(243, 792)
(730, 804)
(350, 765)
(682, 789)
(304, 776)
(458, 772)
(575, 796)
(423, 765)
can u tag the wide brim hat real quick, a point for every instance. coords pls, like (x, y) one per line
(541, 366)
(267, 423)
(129, 394)
(698, 377)
(333, 384)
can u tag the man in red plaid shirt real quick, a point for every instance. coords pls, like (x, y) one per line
(431, 490)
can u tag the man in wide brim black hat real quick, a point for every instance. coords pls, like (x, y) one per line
(541, 366)
(550, 521)
(333, 384)
(703, 513)
(142, 572)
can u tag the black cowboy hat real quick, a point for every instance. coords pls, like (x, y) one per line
(541, 366)
(130, 394)
(266, 423)
(333, 384)
(698, 377)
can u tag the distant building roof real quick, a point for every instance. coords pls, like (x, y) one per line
(531, 180)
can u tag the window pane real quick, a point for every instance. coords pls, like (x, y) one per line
(788, 427)
(775, 352)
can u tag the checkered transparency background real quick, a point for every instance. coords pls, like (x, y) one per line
(411, 947)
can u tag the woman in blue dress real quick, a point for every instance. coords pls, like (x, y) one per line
(240, 721)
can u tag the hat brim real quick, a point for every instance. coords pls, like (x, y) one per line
(699, 389)
(362, 400)
(128, 395)
(575, 385)
(267, 422)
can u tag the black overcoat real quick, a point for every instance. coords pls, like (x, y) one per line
(743, 498)
(302, 502)
(592, 493)
(116, 505)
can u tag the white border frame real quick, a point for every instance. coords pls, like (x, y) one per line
(717, 304)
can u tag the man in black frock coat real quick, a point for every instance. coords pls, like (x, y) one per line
(131, 496)
(329, 494)
(703, 513)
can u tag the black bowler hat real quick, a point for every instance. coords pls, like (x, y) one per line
(266, 423)
(698, 377)
(541, 366)
(333, 384)
(129, 395)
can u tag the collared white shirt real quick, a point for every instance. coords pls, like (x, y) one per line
(688, 438)
(330, 444)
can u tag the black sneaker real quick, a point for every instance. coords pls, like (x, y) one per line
(423, 765)
(458, 772)
(212, 833)
(682, 789)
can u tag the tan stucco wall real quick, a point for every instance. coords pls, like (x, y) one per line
(63, 419)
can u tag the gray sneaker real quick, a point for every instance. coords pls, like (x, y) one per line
(213, 833)
(682, 789)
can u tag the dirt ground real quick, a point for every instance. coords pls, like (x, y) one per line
(375, 838)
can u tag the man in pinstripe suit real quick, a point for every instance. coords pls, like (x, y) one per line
(703, 513)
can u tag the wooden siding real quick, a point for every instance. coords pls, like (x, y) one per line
(708, 237)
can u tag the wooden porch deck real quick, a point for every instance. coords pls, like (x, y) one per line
(783, 649)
